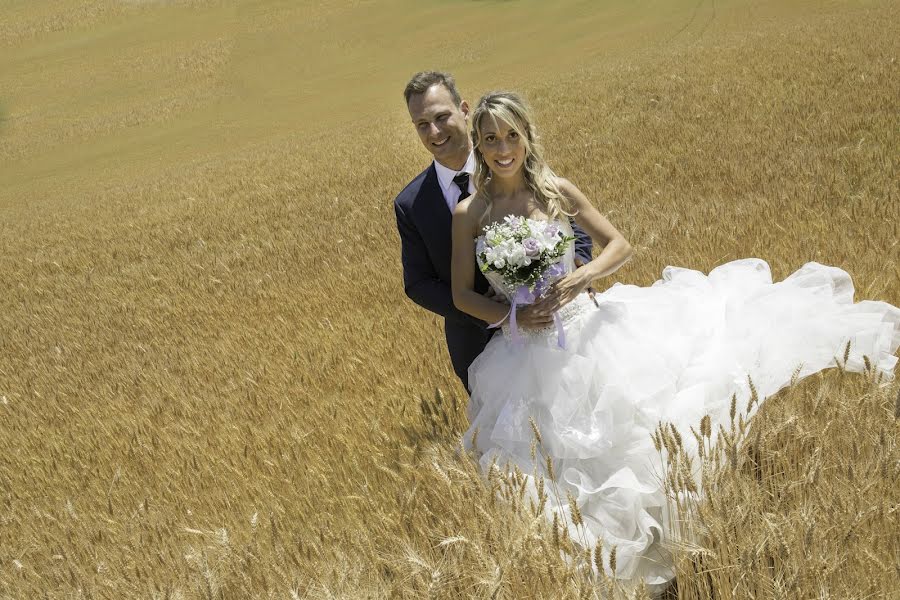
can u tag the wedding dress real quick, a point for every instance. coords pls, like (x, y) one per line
(674, 351)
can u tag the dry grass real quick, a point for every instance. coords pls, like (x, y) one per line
(802, 501)
(212, 386)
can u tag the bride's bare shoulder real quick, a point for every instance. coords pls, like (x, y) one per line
(571, 191)
(565, 186)
(474, 202)
(470, 209)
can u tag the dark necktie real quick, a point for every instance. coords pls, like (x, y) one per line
(462, 182)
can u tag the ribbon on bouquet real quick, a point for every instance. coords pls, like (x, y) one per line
(523, 295)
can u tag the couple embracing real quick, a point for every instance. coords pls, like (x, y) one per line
(446, 188)
(596, 374)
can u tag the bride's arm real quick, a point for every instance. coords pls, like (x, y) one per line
(616, 249)
(462, 268)
(616, 252)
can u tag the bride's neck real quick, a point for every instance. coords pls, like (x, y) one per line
(507, 187)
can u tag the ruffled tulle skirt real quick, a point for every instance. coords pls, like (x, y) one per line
(674, 351)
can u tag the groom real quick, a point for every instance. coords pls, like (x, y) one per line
(424, 214)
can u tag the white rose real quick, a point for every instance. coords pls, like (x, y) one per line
(537, 226)
(507, 249)
(521, 257)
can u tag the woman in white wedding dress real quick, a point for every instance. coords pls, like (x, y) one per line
(674, 351)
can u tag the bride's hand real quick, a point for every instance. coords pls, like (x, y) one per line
(562, 292)
(527, 317)
(491, 294)
(579, 262)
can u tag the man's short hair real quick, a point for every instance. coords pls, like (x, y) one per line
(423, 80)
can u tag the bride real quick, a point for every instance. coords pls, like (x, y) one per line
(676, 351)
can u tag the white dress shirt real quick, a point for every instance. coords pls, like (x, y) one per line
(450, 189)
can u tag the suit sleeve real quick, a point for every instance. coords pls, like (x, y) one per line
(420, 281)
(583, 243)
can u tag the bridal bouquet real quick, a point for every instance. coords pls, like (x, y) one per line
(522, 251)
(526, 253)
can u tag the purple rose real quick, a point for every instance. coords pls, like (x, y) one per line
(532, 247)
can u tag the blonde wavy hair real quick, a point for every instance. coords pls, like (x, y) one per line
(512, 109)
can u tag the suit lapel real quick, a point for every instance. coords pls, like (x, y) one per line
(434, 219)
(440, 210)
(435, 222)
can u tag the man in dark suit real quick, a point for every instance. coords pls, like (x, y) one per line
(425, 209)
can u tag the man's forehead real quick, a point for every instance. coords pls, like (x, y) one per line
(435, 99)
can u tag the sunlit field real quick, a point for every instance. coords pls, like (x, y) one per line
(213, 386)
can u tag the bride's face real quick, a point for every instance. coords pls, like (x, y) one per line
(502, 147)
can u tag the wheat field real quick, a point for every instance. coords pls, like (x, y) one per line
(212, 385)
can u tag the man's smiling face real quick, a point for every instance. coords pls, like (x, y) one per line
(441, 125)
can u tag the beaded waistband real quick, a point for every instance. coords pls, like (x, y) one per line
(568, 313)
